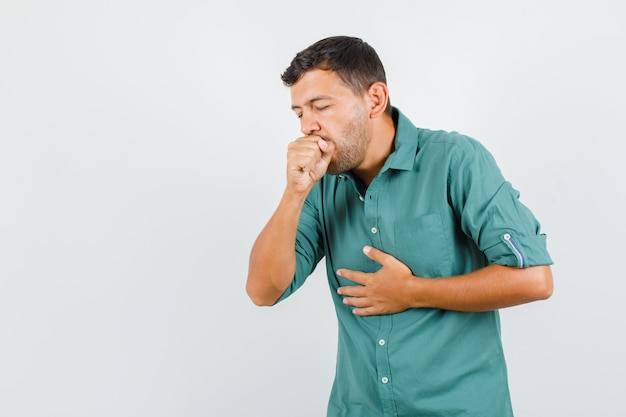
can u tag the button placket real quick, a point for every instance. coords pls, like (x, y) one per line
(372, 214)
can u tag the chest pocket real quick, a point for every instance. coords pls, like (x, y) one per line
(421, 244)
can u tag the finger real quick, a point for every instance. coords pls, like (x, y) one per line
(354, 276)
(352, 291)
(326, 150)
(323, 145)
(304, 156)
(311, 154)
(377, 255)
(326, 147)
(304, 164)
(304, 147)
(366, 311)
(309, 138)
(306, 142)
(357, 302)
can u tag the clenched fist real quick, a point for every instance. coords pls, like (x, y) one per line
(307, 161)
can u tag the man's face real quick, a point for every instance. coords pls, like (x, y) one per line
(327, 108)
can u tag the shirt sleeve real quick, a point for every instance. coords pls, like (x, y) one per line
(309, 245)
(503, 228)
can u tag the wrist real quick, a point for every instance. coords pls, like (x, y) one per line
(418, 290)
(295, 197)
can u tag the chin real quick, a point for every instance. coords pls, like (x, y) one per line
(336, 170)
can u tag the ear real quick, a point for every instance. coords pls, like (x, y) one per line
(377, 97)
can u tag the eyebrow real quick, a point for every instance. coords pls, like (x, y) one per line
(311, 101)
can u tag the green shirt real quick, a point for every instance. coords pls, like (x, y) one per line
(441, 206)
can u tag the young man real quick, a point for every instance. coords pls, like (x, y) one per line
(423, 238)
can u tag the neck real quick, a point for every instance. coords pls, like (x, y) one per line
(378, 150)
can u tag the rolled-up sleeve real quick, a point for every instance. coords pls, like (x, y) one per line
(309, 245)
(490, 211)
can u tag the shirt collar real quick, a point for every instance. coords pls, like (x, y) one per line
(405, 143)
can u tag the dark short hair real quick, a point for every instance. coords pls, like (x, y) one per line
(356, 63)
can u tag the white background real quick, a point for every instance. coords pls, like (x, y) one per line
(142, 148)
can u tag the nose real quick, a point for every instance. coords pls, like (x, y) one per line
(308, 124)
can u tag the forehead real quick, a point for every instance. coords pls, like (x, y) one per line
(316, 83)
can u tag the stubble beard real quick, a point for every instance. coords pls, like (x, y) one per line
(350, 149)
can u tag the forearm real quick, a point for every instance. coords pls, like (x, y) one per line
(490, 288)
(272, 258)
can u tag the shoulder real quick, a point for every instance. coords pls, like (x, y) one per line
(411, 138)
(452, 140)
(452, 146)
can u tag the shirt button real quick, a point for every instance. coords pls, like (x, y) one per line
(384, 380)
(361, 198)
(374, 230)
(382, 342)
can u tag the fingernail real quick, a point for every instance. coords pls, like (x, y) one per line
(367, 249)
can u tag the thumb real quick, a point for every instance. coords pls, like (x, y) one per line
(327, 148)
